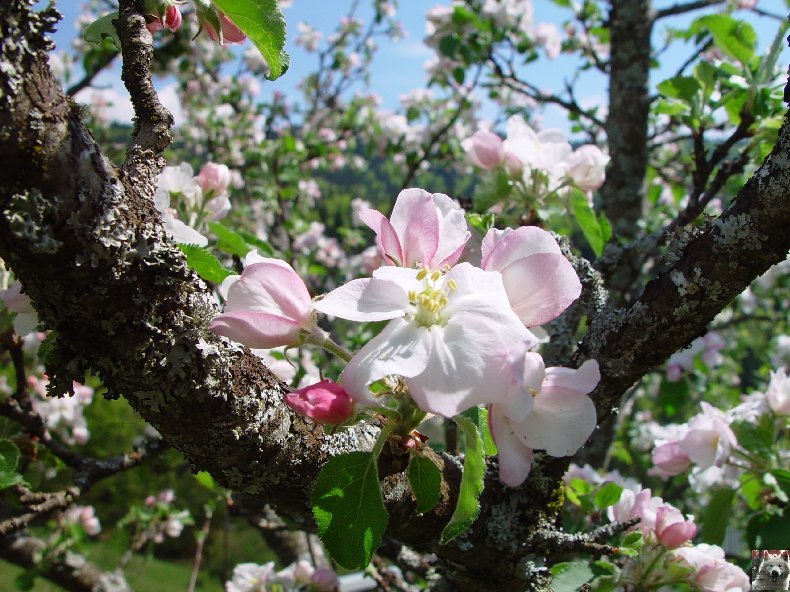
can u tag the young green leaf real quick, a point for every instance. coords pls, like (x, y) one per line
(736, 38)
(228, 240)
(588, 222)
(204, 264)
(263, 22)
(717, 515)
(570, 576)
(608, 495)
(471, 482)
(425, 480)
(633, 540)
(348, 508)
(101, 29)
(9, 457)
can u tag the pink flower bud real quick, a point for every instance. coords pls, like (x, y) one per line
(672, 530)
(324, 402)
(484, 149)
(587, 167)
(167, 496)
(150, 501)
(171, 20)
(325, 579)
(230, 32)
(214, 177)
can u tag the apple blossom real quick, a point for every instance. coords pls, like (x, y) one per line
(560, 419)
(711, 572)
(250, 577)
(324, 402)
(424, 228)
(452, 337)
(16, 301)
(85, 516)
(636, 504)
(540, 282)
(778, 393)
(485, 149)
(587, 167)
(267, 306)
(671, 529)
(215, 178)
(547, 150)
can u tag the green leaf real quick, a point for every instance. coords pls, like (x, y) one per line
(670, 107)
(479, 416)
(205, 479)
(101, 29)
(425, 480)
(773, 534)
(348, 508)
(782, 477)
(758, 438)
(263, 247)
(633, 540)
(448, 45)
(716, 515)
(684, 88)
(608, 495)
(588, 222)
(570, 576)
(480, 223)
(493, 188)
(263, 22)
(204, 264)
(9, 458)
(734, 37)
(228, 240)
(471, 482)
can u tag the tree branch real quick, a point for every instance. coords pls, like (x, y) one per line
(683, 8)
(70, 571)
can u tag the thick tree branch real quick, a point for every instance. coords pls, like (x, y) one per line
(70, 571)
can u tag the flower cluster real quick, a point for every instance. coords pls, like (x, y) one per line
(199, 199)
(16, 301)
(458, 334)
(156, 520)
(299, 576)
(84, 517)
(62, 415)
(544, 160)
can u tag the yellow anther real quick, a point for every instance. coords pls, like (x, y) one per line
(422, 273)
(412, 295)
(436, 275)
(445, 267)
(452, 284)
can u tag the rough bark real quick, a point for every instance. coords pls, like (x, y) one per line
(70, 571)
(88, 246)
(622, 194)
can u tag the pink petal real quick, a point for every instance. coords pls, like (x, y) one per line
(256, 329)
(420, 237)
(368, 299)
(560, 422)
(515, 459)
(386, 238)
(453, 231)
(584, 380)
(399, 349)
(701, 447)
(540, 287)
(270, 287)
(501, 248)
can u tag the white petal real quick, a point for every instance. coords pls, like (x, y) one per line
(560, 422)
(364, 300)
(515, 459)
(401, 348)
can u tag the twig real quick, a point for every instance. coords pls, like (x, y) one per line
(201, 539)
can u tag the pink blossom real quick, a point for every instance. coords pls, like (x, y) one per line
(670, 459)
(16, 301)
(424, 228)
(230, 33)
(587, 167)
(250, 577)
(214, 177)
(453, 337)
(636, 504)
(552, 412)
(267, 306)
(778, 393)
(325, 402)
(540, 282)
(485, 149)
(711, 573)
(166, 496)
(671, 529)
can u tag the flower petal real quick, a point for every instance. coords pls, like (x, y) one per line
(272, 287)
(583, 380)
(540, 287)
(416, 221)
(453, 231)
(400, 349)
(515, 459)
(503, 247)
(387, 239)
(256, 329)
(560, 422)
(363, 300)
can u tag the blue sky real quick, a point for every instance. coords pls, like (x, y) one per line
(398, 66)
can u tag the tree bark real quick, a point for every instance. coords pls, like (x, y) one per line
(87, 244)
